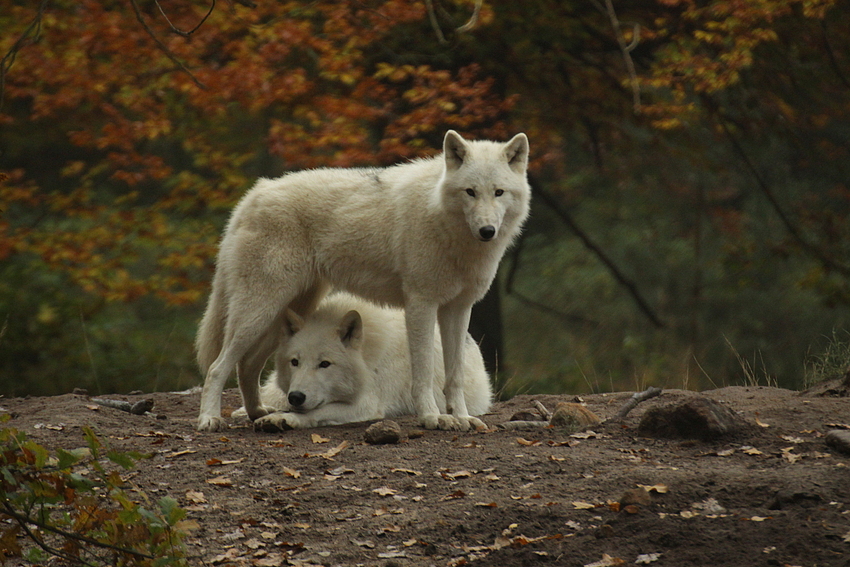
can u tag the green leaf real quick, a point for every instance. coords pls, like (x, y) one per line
(67, 459)
(124, 460)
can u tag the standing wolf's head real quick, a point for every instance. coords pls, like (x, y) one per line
(323, 362)
(486, 182)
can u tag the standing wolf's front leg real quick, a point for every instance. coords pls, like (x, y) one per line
(454, 323)
(420, 316)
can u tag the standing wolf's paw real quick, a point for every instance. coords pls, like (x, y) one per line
(211, 423)
(430, 421)
(273, 423)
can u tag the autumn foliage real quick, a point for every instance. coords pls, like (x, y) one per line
(159, 130)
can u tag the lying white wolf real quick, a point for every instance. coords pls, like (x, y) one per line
(348, 361)
(426, 235)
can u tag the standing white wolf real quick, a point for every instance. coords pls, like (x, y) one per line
(348, 361)
(426, 235)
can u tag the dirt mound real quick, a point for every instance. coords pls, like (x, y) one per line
(776, 495)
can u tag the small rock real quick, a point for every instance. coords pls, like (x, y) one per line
(636, 496)
(574, 417)
(383, 432)
(695, 418)
(526, 415)
(839, 439)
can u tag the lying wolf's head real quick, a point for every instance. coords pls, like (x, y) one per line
(486, 181)
(323, 362)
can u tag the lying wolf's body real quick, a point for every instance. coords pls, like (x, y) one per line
(348, 361)
(426, 235)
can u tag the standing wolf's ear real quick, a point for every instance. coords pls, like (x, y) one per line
(351, 329)
(516, 152)
(292, 323)
(454, 150)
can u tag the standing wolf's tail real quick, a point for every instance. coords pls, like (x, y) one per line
(210, 337)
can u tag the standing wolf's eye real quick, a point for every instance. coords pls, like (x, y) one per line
(470, 192)
(324, 364)
(500, 192)
(294, 362)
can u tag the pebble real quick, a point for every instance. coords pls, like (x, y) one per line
(382, 433)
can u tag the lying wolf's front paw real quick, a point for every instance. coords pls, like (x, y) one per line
(211, 423)
(272, 423)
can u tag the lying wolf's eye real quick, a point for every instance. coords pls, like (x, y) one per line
(324, 364)
(294, 362)
(470, 192)
(500, 192)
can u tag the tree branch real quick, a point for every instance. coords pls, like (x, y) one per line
(162, 47)
(30, 36)
(626, 51)
(179, 31)
(630, 286)
(24, 521)
(795, 233)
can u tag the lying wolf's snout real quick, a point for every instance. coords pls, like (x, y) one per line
(487, 232)
(297, 398)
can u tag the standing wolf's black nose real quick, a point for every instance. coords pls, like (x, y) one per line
(487, 232)
(297, 398)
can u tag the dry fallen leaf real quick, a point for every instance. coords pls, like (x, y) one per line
(319, 439)
(220, 481)
(180, 453)
(760, 423)
(291, 472)
(606, 561)
(453, 496)
(751, 450)
(579, 505)
(195, 496)
(407, 471)
(659, 488)
(385, 491)
(527, 442)
(647, 558)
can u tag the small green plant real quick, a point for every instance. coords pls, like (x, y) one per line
(73, 505)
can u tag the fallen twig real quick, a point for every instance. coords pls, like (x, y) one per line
(139, 408)
(630, 404)
(523, 424)
(547, 415)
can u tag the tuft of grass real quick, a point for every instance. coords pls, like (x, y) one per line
(753, 374)
(832, 363)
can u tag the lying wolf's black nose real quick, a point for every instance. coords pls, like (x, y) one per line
(297, 398)
(487, 232)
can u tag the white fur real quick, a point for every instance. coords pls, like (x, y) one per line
(427, 236)
(353, 364)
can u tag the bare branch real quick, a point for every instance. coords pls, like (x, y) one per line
(434, 23)
(827, 261)
(473, 20)
(162, 46)
(179, 31)
(626, 50)
(556, 207)
(30, 36)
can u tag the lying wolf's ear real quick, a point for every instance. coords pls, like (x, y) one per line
(516, 152)
(292, 323)
(454, 150)
(351, 329)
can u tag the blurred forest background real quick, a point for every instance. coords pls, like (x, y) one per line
(690, 173)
